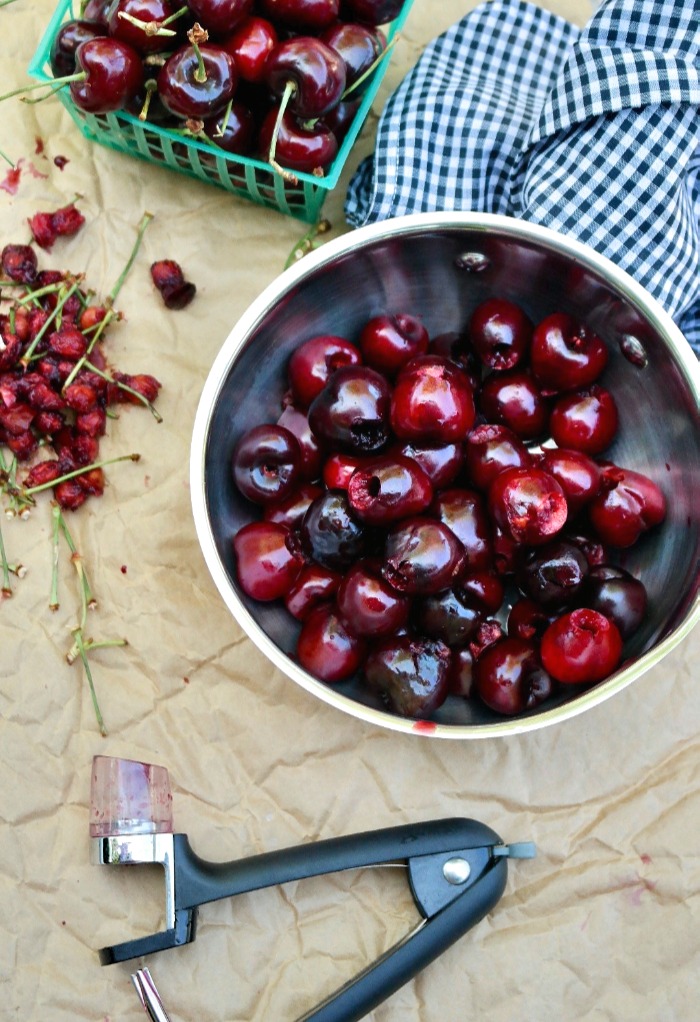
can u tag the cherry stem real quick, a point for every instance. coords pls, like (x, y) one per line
(289, 90)
(58, 83)
(173, 17)
(6, 3)
(53, 597)
(88, 674)
(6, 588)
(373, 66)
(145, 221)
(151, 88)
(78, 472)
(149, 28)
(221, 126)
(125, 387)
(196, 36)
(2, 154)
(307, 242)
(26, 358)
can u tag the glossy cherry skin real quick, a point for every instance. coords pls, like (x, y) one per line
(577, 474)
(514, 399)
(388, 489)
(581, 647)
(460, 676)
(352, 411)
(359, 47)
(482, 589)
(447, 617)
(308, 149)
(457, 348)
(432, 401)
(338, 469)
(371, 12)
(628, 505)
(592, 549)
(148, 11)
(313, 362)
(301, 15)
(411, 675)
(464, 513)
(114, 75)
(528, 504)
(220, 17)
(441, 463)
(369, 605)
(565, 354)
(66, 42)
(250, 45)
(326, 648)
(387, 343)
(422, 556)
(237, 135)
(291, 509)
(297, 423)
(184, 96)
(586, 420)
(330, 533)
(313, 586)
(340, 118)
(500, 333)
(509, 677)
(528, 620)
(316, 71)
(266, 464)
(490, 451)
(266, 562)
(618, 595)
(553, 575)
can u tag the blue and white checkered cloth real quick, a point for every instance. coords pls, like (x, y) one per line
(594, 133)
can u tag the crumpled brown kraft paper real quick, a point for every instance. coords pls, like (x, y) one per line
(603, 925)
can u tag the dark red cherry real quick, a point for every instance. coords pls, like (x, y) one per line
(340, 118)
(114, 75)
(509, 677)
(585, 420)
(528, 504)
(359, 47)
(301, 15)
(311, 71)
(220, 17)
(388, 489)
(267, 464)
(528, 620)
(464, 513)
(19, 263)
(553, 575)
(266, 562)
(371, 12)
(313, 362)
(593, 550)
(618, 595)
(441, 463)
(67, 40)
(233, 130)
(460, 676)
(566, 354)
(250, 45)
(190, 92)
(330, 533)
(581, 647)
(629, 503)
(309, 148)
(325, 647)
(500, 333)
(369, 605)
(483, 589)
(514, 399)
(352, 411)
(123, 13)
(577, 474)
(291, 509)
(297, 423)
(457, 347)
(447, 617)
(422, 556)
(387, 343)
(411, 675)
(490, 451)
(313, 586)
(432, 401)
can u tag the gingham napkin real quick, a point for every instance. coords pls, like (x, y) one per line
(593, 132)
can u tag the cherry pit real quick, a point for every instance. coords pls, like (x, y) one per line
(439, 515)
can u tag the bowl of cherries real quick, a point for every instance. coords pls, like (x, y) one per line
(264, 98)
(446, 475)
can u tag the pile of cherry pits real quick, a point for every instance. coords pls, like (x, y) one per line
(280, 80)
(411, 483)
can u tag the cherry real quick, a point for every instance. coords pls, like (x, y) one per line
(500, 333)
(460, 675)
(309, 72)
(313, 362)
(291, 509)
(581, 647)
(577, 474)
(593, 550)
(411, 675)
(266, 563)
(298, 424)
(371, 12)
(483, 589)
(528, 620)
(490, 451)
(339, 119)
(422, 556)
(628, 505)
(457, 348)
(509, 677)
(113, 74)
(19, 263)
(388, 489)
(301, 15)
(313, 586)
(176, 292)
(528, 504)
(553, 575)
(387, 343)
(585, 420)
(514, 399)
(309, 148)
(441, 463)
(325, 647)
(432, 401)
(338, 469)
(565, 354)
(369, 605)
(197, 81)
(360, 49)
(66, 41)
(96, 11)
(618, 595)
(352, 411)
(464, 513)
(136, 22)
(330, 533)
(448, 617)
(220, 16)
(267, 464)
(235, 134)
(250, 45)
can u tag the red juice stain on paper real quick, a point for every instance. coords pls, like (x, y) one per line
(424, 727)
(11, 180)
(186, 680)
(646, 859)
(61, 161)
(39, 147)
(123, 569)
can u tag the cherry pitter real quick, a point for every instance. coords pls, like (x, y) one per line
(456, 869)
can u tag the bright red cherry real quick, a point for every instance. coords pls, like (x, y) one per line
(266, 563)
(326, 648)
(629, 503)
(291, 509)
(388, 489)
(369, 605)
(312, 363)
(577, 474)
(338, 469)
(566, 354)
(464, 513)
(514, 399)
(500, 333)
(585, 420)
(309, 148)
(250, 45)
(509, 677)
(528, 504)
(411, 675)
(432, 401)
(490, 451)
(113, 75)
(389, 342)
(313, 586)
(422, 556)
(581, 647)
(441, 463)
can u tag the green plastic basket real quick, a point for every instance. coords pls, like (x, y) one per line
(251, 179)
